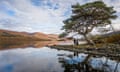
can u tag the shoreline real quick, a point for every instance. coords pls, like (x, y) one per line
(112, 50)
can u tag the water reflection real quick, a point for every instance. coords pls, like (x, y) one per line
(88, 63)
(25, 44)
(29, 60)
(33, 57)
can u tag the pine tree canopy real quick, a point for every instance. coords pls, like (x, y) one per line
(85, 17)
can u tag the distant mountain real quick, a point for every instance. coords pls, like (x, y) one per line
(53, 36)
(112, 37)
(111, 33)
(8, 35)
(40, 35)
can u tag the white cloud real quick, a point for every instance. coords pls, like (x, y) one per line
(29, 17)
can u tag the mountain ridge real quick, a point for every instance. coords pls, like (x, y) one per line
(35, 35)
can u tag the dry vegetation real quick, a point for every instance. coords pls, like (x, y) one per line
(113, 38)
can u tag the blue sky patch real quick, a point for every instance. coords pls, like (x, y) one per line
(37, 2)
(49, 4)
(56, 7)
(67, 12)
(5, 9)
(10, 12)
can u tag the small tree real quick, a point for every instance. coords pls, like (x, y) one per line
(85, 17)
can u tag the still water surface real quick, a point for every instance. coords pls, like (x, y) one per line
(45, 59)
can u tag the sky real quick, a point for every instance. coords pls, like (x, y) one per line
(42, 15)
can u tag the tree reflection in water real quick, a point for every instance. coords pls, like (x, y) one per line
(87, 63)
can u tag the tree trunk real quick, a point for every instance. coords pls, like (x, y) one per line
(88, 40)
(112, 28)
(75, 42)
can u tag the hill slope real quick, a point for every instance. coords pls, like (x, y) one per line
(108, 38)
(23, 36)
